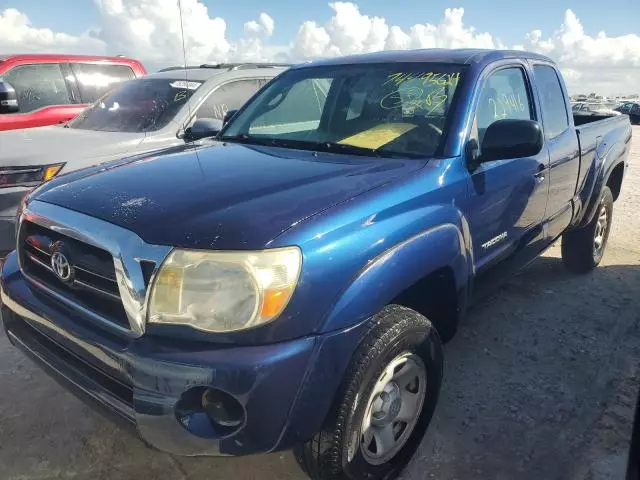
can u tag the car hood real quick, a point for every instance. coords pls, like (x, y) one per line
(225, 196)
(54, 144)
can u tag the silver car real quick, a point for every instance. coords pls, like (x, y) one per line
(167, 108)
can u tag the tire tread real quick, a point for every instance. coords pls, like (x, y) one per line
(321, 457)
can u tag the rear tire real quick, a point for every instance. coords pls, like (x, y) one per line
(384, 404)
(583, 248)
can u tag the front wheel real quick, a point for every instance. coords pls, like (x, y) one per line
(385, 402)
(583, 248)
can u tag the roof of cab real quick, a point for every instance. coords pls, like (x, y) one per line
(463, 56)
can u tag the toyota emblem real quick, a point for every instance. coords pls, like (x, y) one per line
(61, 266)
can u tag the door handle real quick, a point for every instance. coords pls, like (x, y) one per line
(540, 174)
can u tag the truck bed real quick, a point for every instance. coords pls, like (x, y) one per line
(590, 128)
(579, 120)
(611, 131)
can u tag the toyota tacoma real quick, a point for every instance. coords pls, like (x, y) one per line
(289, 285)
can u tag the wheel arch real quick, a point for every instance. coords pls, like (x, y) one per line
(614, 182)
(610, 173)
(433, 261)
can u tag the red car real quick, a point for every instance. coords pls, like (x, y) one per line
(52, 89)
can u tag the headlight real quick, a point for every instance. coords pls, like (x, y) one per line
(28, 176)
(224, 291)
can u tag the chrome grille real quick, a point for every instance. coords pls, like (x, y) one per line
(93, 284)
(113, 267)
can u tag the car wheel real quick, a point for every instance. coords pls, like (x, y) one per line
(385, 402)
(583, 248)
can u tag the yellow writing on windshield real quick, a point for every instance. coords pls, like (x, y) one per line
(412, 99)
(379, 135)
(433, 78)
(181, 95)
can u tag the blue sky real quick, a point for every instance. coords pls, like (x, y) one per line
(504, 20)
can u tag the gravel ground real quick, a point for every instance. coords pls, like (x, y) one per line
(540, 383)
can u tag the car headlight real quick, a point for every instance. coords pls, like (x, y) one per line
(224, 291)
(28, 176)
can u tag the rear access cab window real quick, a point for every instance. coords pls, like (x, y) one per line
(554, 109)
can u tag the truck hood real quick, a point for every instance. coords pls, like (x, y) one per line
(55, 144)
(225, 196)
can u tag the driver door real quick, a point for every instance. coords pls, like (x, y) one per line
(507, 197)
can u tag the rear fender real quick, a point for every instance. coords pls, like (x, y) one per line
(607, 158)
(398, 268)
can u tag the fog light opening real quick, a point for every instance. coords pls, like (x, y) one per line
(222, 408)
(209, 412)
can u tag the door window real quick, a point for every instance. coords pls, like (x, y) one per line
(38, 85)
(554, 109)
(94, 80)
(504, 95)
(230, 96)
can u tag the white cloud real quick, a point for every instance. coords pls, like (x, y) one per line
(146, 29)
(600, 62)
(350, 32)
(347, 32)
(609, 64)
(264, 26)
(570, 45)
(150, 30)
(18, 35)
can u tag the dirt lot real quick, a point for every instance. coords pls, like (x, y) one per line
(539, 384)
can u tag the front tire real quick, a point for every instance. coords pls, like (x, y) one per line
(385, 402)
(583, 248)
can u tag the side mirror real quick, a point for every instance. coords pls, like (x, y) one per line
(511, 138)
(8, 98)
(202, 128)
(228, 116)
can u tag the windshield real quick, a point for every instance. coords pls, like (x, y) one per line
(395, 109)
(141, 105)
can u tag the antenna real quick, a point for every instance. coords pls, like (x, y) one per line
(184, 55)
(186, 78)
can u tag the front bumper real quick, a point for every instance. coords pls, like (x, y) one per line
(140, 381)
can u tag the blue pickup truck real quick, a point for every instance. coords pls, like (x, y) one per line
(289, 283)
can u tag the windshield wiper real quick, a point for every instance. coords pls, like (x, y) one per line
(329, 147)
(346, 149)
(241, 138)
(244, 138)
(272, 142)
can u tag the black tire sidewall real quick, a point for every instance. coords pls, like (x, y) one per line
(426, 344)
(578, 244)
(606, 198)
